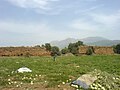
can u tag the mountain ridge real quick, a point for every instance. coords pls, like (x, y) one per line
(95, 41)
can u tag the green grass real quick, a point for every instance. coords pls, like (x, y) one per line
(54, 73)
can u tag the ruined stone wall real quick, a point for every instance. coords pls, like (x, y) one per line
(99, 50)
(83, 49)
(103, 50)
(22, 51)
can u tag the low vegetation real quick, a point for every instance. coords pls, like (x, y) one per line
(117, 49)
(47, 73)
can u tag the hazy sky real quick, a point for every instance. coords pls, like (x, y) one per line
(30, 22)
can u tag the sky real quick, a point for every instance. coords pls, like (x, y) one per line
(32, 22)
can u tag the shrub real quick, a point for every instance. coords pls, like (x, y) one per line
(48, 46)
(65, 50)
(89, 51)
(55, 51)
(117, 48)
(74, 47)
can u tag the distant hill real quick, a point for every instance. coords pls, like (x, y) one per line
(95, 41)
(105, 43)
(63, 43)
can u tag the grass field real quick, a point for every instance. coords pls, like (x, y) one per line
(47, 73)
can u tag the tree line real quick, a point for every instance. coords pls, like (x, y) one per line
(74, 49)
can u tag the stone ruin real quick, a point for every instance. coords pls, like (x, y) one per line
(99, 50)
(23, 51)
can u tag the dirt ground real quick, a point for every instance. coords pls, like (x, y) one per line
(40, 87)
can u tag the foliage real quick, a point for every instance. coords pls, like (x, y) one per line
(55, 51)
(89, 51)
(42, 45)
(79, 43)
(48, 46)
(74, 47)
(117, 49)
(65, 50)
(75, 50)
(105, 81)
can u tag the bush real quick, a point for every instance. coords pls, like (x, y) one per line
(65, 50)
(74, 47)
(55, 51)
(89, 51)
(117, 48)
(48, 46)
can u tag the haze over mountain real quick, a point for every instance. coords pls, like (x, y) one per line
(63, 43)
(105, 43)
(92, 39)
(95, 41)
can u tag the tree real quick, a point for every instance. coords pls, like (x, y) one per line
(55, 51)
(117, 48)
(48, 46)
(74, 50)
(64, 51)
(74, 47)
(70, 46)
(42, 45)
(79, 43)
(89, 51)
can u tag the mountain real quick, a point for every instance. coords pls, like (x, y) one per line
(95, 41)
(92, 39)
(105, 43)
(63, 43)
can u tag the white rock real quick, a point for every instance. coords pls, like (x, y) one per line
(24, 69)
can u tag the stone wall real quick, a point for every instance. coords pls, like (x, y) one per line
(99, 50)
(22, 51)
(83, 49)
(103, 50)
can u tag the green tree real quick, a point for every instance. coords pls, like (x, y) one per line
(79, 43)
(74, 50)
(64, 51)
(71, 46)
(89, 51)
(117, 48)
(48, 46)
(74, 47)
(55, 51)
